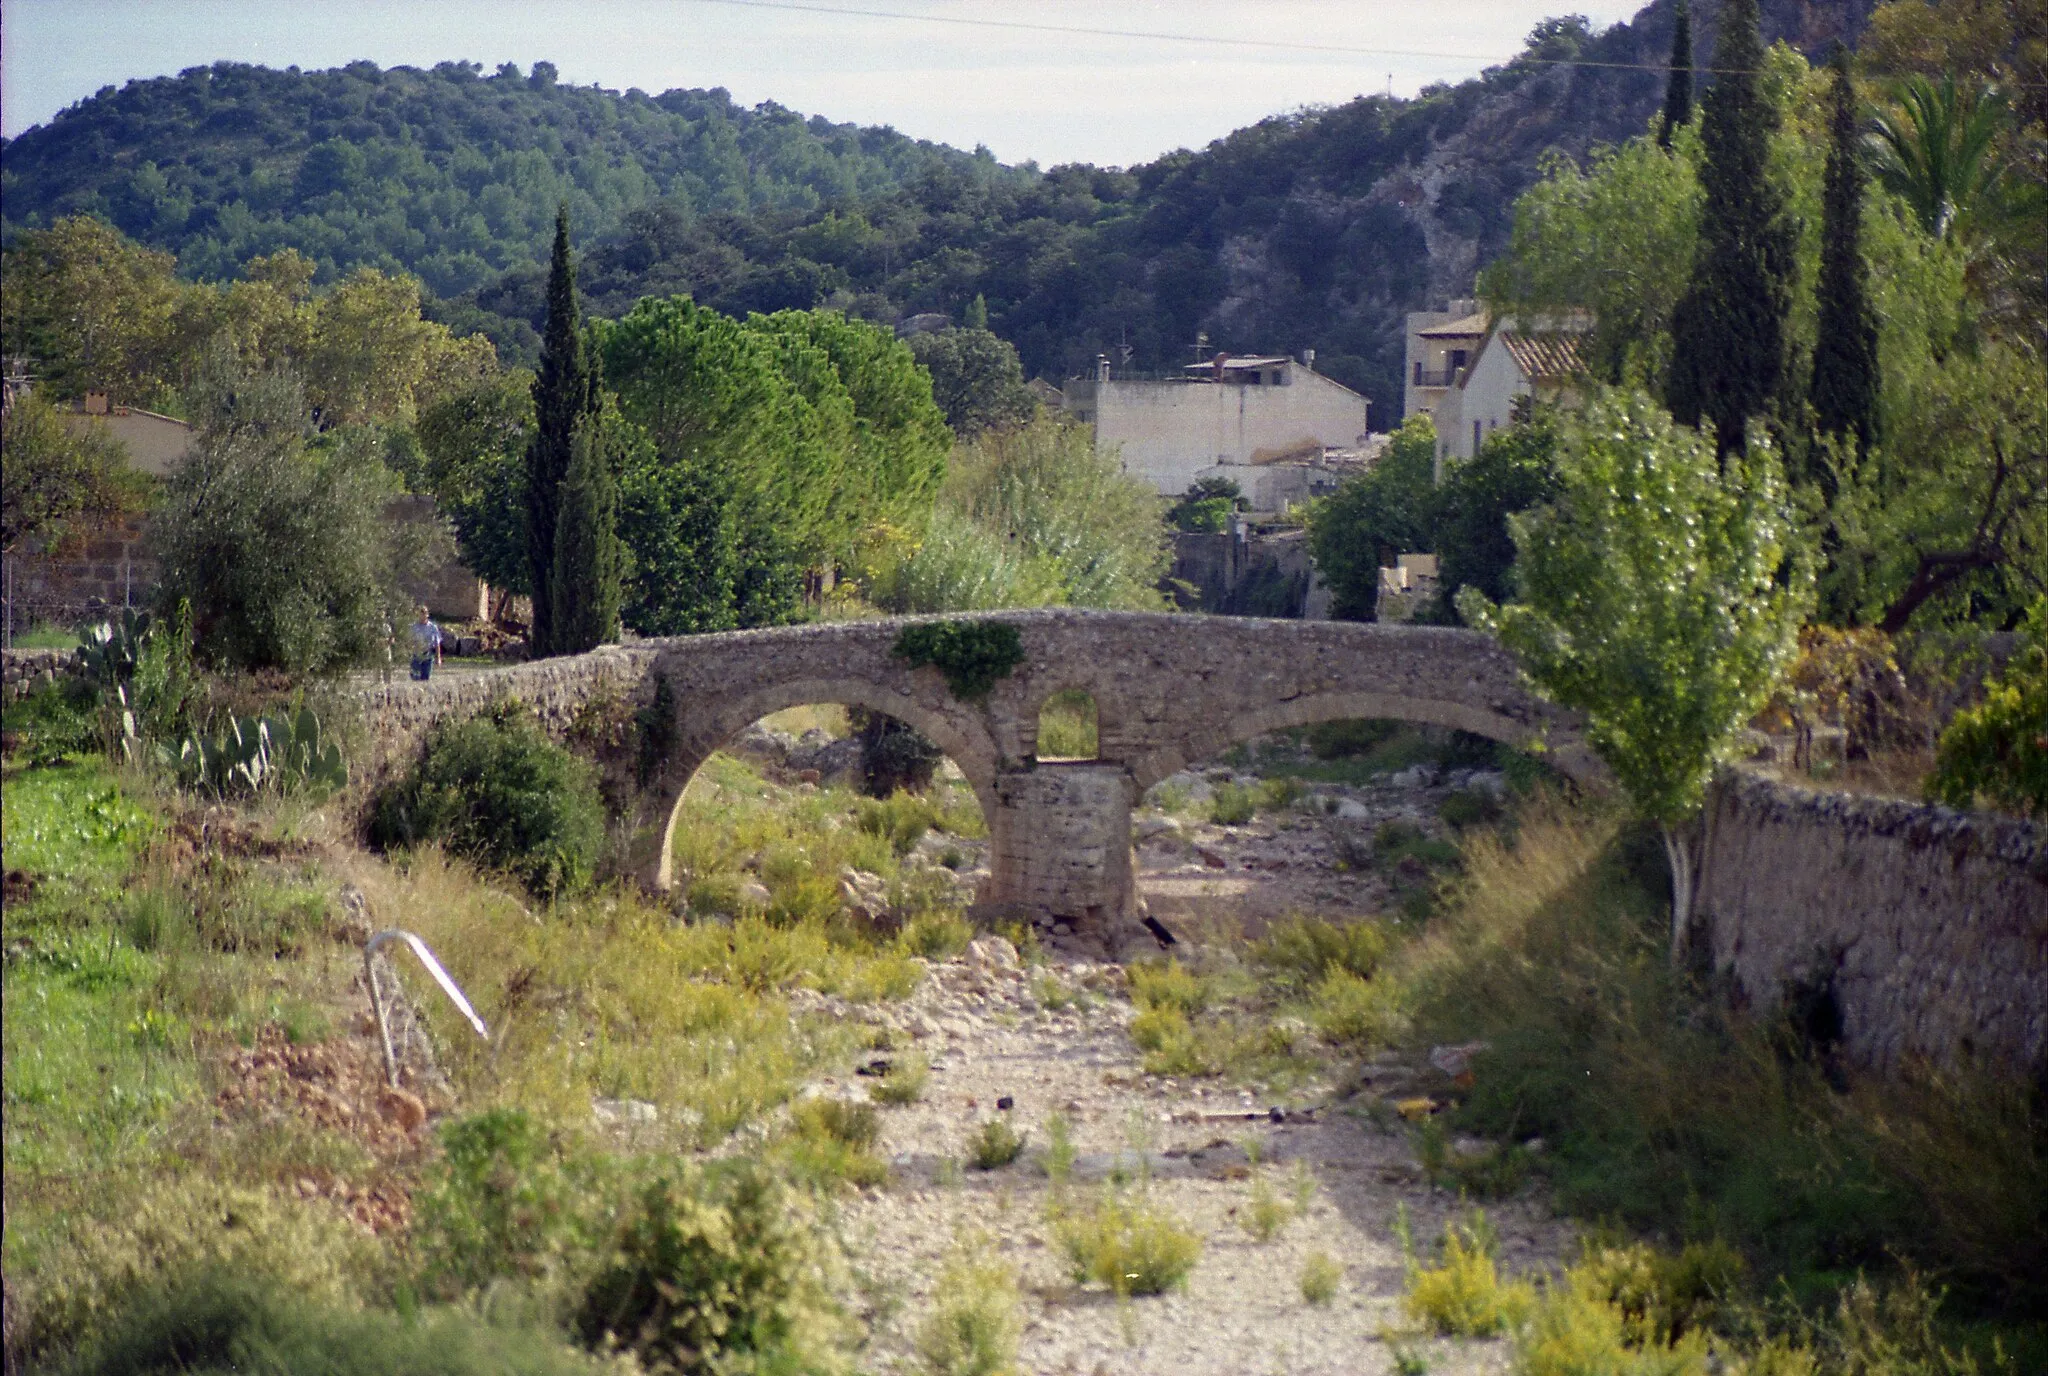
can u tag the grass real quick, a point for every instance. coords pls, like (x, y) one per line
(1129, 1244)
(1265, 1214)
(45, 638)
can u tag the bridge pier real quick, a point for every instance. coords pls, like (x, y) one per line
(1060, 845)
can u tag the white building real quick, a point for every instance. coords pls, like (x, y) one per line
(1440, 345)
(157, 445)
(1231, 417)
(1509, 364)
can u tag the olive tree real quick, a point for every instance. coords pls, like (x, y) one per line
(1661, 595)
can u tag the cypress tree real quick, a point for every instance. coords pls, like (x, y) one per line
(589, 560)
(1728, 330)
(1678, 91)
(561, 394)
(1845, 352)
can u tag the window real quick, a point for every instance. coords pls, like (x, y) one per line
(1475, 437)
(1068, 726)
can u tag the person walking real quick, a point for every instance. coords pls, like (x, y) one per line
(426, 646)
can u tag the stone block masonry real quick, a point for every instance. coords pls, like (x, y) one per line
(1928, 926)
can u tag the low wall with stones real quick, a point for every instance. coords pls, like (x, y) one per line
(25, 671)
(1929, 926)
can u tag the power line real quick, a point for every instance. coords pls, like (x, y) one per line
(1162, 36)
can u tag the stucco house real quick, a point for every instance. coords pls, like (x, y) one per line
(1440, 345)
(1233, 417)
(155, 444)
(1510, 363)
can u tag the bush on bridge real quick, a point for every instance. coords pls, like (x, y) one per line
(972, 655)
(495, 790)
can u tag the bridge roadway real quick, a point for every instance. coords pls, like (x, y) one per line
(1169, 690)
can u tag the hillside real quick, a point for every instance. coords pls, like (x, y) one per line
(1316, 229)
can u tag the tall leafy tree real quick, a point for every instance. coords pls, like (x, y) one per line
(1655, 598)
(1845, 377)
(561, 395)
(1728, 332)
(1678, 89)
(589, 561)
(1375, 516)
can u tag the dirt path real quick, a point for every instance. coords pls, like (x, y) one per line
(1195, 1147)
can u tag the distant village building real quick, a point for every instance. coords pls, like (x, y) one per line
(1512, 363)
(1440, 345)
(156, 445)
(1243, 418)
(1407, 588)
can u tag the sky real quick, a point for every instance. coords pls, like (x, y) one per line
(1025, 93)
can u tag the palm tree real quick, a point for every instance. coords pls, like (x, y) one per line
(1938, 149)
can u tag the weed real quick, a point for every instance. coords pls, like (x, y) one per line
(1128, 1244)
(1169, 985)
(975, 1327)
(1320, 1276)
(995, 1145)
(1353, 1012)
(1265, 1214)
(902, 819)
(1169, 798)
(1469, 807)
(1067, 726)
(1281, 794)
(1408, 1361)
(1464, 1296)
(937, 936)
(1170, 1043)
(903, 1083)
(1054, 994)
(1302, 950)
(1059, 1149)
(499, 1204)
(1232, 805)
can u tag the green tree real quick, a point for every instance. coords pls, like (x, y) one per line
(1514, 470)
(476, 444)
(1369, 519)
(1661, 595)
(731, 495)
(1678, 86)
(281, 547)
(976, 379)
(1845, 377)
(52, 474)
(1728, 330)
(589, 561)
(561, 396)
(95, 310)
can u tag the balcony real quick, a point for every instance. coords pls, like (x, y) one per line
(1437, 377)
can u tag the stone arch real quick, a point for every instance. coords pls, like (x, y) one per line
(1036, 721)
(701, 728)
(1571, 757)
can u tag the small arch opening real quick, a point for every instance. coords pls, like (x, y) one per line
(1069, 727)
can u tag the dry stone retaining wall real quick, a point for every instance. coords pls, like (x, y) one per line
(28, 670)
(1929, 926)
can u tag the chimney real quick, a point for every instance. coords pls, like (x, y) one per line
(1102, 367)
(1217, 364)
(95, 403)
(1308, 359)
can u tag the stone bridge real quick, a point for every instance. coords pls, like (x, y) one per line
(1169, 691)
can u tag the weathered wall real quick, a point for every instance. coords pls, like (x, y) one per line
(109, 565)
(1932, 924)
(1169, 433)
(1065, 841)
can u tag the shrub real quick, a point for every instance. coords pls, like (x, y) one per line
(1303, 950)
(498, 1204)
(1278, 795)
(56, 720)
(713, 1272)
(177, 1228)
(496, 790)
(1469, 807)
(1232, 805)
(1999, 750)
(1350, 1011)
(1169, 984)
(833, 1140)
(995, 1145)
(1465, 1297)
(1265, 1214)
(974, 1329)
(972, 655)
(895, 757)
(902, 820)
(1129, 1245)
(1320, 1276)
(1171, 1044)
(936, 936)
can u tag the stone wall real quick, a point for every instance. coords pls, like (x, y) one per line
(85, 574)
(26, 671)
(1929, 926)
